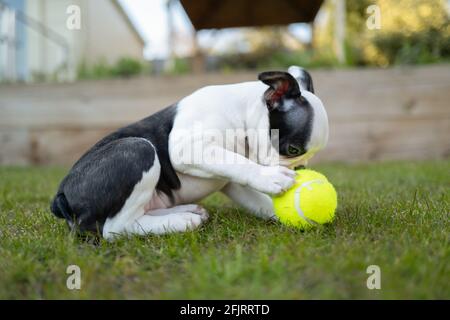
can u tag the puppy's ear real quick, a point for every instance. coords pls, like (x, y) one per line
(303, 77)
(282, 86)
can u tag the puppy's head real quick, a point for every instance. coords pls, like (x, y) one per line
(297, 113)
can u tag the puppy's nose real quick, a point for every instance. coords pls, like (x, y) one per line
(299, 164)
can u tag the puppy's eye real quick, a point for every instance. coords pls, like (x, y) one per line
(294, 151)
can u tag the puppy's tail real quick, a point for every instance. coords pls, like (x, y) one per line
(60, 207)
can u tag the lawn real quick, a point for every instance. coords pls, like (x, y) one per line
(394, 215)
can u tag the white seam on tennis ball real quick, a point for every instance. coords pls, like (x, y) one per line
(297, 199)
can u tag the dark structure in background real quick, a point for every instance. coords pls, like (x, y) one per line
(212, 14)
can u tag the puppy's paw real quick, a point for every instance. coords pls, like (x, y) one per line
(272, 180)
(201, 212)
(184, 221)
(274, 218)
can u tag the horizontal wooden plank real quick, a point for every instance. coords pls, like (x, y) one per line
(359, 141)
(359, 95)
(374, 114)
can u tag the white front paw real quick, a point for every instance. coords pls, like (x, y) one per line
(272, 180)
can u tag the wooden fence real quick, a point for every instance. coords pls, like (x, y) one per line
(400, 113)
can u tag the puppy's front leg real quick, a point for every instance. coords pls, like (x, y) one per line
(259, 204)
(221, 163)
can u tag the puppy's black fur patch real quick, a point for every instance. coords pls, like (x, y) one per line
(289, 111)
(306, 81)
(294, 126)
(99, 183)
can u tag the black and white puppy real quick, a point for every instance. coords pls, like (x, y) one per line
(138, 179)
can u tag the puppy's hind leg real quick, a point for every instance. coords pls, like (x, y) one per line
(176, 219)
(134, 206)
(132, 218)
(161, 221)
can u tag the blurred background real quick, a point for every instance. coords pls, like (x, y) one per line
(73, 70)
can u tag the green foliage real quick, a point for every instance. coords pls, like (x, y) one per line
(179, 66)
(394, 215)
(101, 70)
(83, 71)
(425, 47)
(277, 59)
(127, 67)
(411, 32)
(124, 68)
(355, 31)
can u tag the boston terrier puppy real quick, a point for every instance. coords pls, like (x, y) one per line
(241, 139)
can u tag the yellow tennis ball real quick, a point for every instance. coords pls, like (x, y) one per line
(310, 202)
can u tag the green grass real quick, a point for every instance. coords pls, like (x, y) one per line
(395, 215)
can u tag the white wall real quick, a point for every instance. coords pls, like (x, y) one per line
(109, 36)
(44, 56)
(104, 34)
